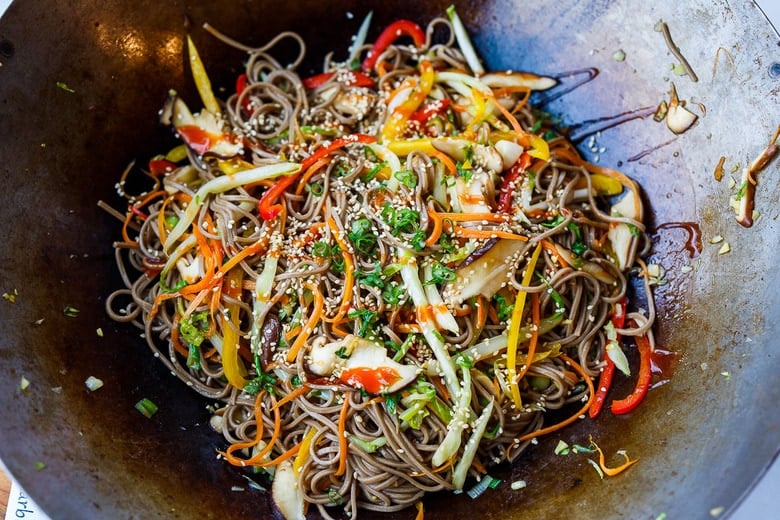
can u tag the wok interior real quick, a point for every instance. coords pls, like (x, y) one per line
(702, 438)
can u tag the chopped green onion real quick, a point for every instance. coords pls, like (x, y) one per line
(596, 467)
(517, 484)
(146, 407)
(70, 311)
(39, 466)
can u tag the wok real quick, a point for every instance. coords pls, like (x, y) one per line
(703, 438)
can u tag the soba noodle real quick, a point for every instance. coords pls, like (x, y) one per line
(405, 231)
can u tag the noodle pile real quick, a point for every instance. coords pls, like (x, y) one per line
(389, 279)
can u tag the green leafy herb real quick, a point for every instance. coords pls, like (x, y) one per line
(193, 330)
(342, 353)
(373, 278)
(263, 381)
(176, 288)
(557, 221)
(335, 497)
(362, 236)
(392, 294)
(504, 308)
(367, 320)
(441, 274)
(391, 402)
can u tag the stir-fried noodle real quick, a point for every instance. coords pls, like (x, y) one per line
(387, 277)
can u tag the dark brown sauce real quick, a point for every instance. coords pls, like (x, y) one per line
(580, 131)
(567, 81)
(647, 152)
(663, 363)
(693, 243)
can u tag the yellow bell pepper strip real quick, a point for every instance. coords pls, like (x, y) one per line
(303, 451)
(231, 364)
(514, 329)
(202, 81)
(396, 123)
(407, 146)
(269, 208)
(391, 33)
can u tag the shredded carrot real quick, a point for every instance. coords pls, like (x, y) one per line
(582, 411)
(308, 174)
(228, 454)
(488, 234)
(420, 510)
(181, 349)
(445, 160)
(532, 343)
(138, 205)
(539, 147)
(295, 394)
(440, 218)
(349, 272)
(440, 469)
(343, 438)
(292, 333)
(314, 319)
(569, 154)
(408, 328)
(611, 472)
(441, 389)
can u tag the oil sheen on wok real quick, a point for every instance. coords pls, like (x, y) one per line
(391, 275)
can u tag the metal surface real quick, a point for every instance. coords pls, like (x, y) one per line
(702, 439)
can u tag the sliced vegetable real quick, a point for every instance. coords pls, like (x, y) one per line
(201, 78)
(146, 407)
(486, 274)
(287, 493)
(268, 206)
(464, 42)
(391, 33)
(628, 404)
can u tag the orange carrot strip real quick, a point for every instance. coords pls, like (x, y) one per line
(308, 174)
(343, 438)
(295, 394)
(486, 234)
(571, 419)
(535, 320)
(349, 272)
(611, 472)
(314, 319)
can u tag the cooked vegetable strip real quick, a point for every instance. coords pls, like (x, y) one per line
(342, 262)
(223, 184)
(514, 329)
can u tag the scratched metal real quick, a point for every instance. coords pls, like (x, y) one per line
(702, 439)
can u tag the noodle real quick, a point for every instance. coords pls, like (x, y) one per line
(299, 298)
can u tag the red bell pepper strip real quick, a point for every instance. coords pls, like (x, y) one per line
(351, 79)
(628, 404)
(508, 184)
(431, 109)
(605, 379)
(268, 206)
(160, 167)
(242, 81)
(391, 33)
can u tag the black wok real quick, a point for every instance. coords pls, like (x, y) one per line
(703, 439)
